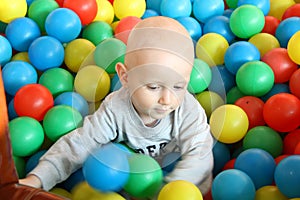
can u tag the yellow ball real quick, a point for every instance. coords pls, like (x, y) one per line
(92, 82)
(179, 190)
(229, 123)
(209, 101)
(264, 42)
(269, 192)
(293, 48)
(61, 192)
(76, 52)
(278, 7)
(10, 10)
(125, 8)
(211, 48)
(22, 56)
(105, 11)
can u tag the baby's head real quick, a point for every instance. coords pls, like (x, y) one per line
(159, 57)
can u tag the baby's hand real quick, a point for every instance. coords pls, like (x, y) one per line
(32, 181)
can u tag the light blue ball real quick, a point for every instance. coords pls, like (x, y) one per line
(264, 5)
(5, 50)
(204, 10)
(176, 8)
(192, 26)
(286, 29)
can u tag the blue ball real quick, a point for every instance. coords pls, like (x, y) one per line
(169, 162)
(74, 100)
(287, 176)
(11, 110)
(5, 50)
(63, 24)
(107, 168)
(21, 32)
(176, 8)
(17, 74)
(192, 26)
(46, 52)
(239, 53)
(33, 160)
(286, 29)
(73, 180)
(220, 25)
(232, 184)
(264, 5)
(204, 10)
(277, 88)
(221, 156)
(149, 13)
(115, 83)
(153, 5)
(263, 172)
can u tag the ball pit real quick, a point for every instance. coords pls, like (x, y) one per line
(63, 50)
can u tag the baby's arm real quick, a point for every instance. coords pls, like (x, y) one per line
(31, 180)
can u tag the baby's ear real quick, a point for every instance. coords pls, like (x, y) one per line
(122, 73)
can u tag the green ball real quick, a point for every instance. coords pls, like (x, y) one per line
(97, 31)
(26, 135)
(233, 94)
(108, 53)
(60, 120)
(200, 78)
(57, 80)
(255, 78)
(246, 21)
(20, 165)
(145, 178)
(264, 137)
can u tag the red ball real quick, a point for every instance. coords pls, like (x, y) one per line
(124, 27)
(290, 142)
(271, 24)
(85, 9)
(280, 158)
(295, 83)
(297, 149)
(281, 64)
(282, 112)
(229, 164)
(292, 11)
(60, 2)
(253, 107)
(33, 100)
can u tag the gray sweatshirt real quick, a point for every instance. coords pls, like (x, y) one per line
(185, 130)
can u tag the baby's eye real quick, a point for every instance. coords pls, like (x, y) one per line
(153, 86)
(177, 87)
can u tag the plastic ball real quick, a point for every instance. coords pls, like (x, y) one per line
(239, 53)
(287, 176)
(179, 189)
(21, 56)
(200, 77)
(253, 106)
(259, 74)
(61, 192)
(11, 10)
(209, 101)
(74, 100)
(221, 155)
(74, 179)
(229, 164)
(85, 9)
(169, 162)
(17, 74)
(20, 166)
(97, 31)
(192, 26)
(278, 7)
(149, 13)
(176, 8)
(281, 64)
(33, 160)
(108, 53)
(5, 50)
(33, 100)
(233, 184)
(105, 11)
(285, 33)
(26, 134)
(233, 95)
(277, 88)
(63, 24)
(269, 192)
(292, 11)
(125, 8)
(293, 47)
(145, 178)
(282, 112)
(60, 120)
(229, 123)
(204, 10)
(57, 80)
(21, 32)
(107, 169)
(220, 25)
(294, 83)
(76, 52)
(38, 11)
(11, 110)
(46, 52)
(264, 5)
(264, 42)
(246, 21)
(263, 172)
(271, 24)
(153, 5)
(290, 141)
(124, 27)
(92, 82)
(115, 83)
(211, 48)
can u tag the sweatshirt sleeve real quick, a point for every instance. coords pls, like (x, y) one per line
(195, 142)
(69, 152)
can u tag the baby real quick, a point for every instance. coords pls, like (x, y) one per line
(152, 113)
